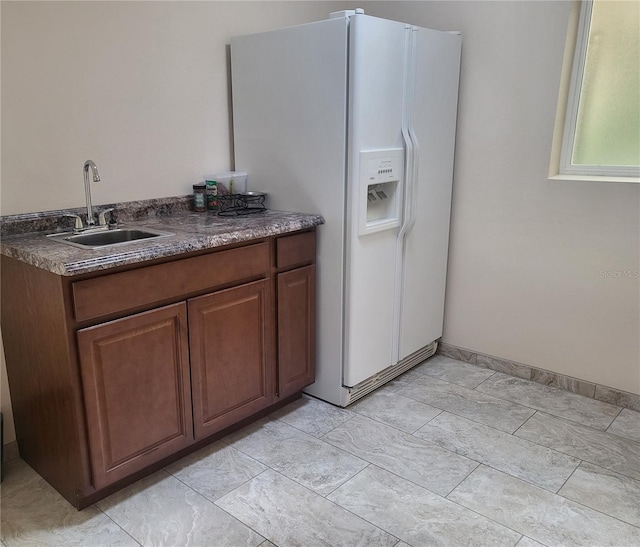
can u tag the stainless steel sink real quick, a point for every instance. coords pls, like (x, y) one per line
(108, 238)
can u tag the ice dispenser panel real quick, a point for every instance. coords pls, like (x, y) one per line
(380, 190)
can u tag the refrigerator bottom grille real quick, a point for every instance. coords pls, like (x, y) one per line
(374, 382)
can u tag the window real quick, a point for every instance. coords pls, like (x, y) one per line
(601, 129)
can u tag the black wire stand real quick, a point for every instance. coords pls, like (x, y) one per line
(241, 204)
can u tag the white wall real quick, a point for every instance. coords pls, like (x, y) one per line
(141, 88)
(527, 254)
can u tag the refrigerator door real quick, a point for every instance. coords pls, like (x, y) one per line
(375, 163)
(290, 120)
(433, 125)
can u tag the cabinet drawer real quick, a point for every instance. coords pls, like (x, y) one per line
(124, 291)
(296, 249)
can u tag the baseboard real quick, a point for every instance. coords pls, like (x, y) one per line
(541, 376)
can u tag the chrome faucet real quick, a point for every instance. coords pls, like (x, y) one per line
(89, 165)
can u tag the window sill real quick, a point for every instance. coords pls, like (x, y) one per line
(594, 178)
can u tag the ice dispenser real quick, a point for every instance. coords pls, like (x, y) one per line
(380, 190)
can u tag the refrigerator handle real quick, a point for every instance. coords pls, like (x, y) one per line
(409, 180)
(407, 137)
(413, 179)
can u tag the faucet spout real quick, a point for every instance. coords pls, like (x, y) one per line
(89, 165)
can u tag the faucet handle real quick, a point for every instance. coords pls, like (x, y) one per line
(102, 219)
(78, 221)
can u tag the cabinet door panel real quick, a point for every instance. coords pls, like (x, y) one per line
(296, 329)
(231, 360)
(135, 373)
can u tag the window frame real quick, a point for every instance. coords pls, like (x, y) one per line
(568, 104)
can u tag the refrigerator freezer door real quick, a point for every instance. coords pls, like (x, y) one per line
(290, 117)
(376, 84)
(426, 245)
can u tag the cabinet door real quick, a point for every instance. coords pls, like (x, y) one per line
(296, 329)
(231, 356)
(135, 374)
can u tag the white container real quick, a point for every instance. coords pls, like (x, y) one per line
(234, 181)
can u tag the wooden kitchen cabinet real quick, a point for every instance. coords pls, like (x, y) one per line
(296, 329)
(231, 358)
(296, 290)
(136, 366)
(137, 391)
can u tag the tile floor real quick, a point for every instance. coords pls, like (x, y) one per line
(447, 454)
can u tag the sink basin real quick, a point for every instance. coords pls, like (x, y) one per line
(109, 238)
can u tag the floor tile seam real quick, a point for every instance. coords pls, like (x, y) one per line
(320, 436)
(522, 534)
(422, 486)
(563, 392)
(582, 458)
(515, 436)
(526, 480)
(477, 512)
(598, 511)
(283, 473)
(546, 411)
(565, 499)
(404, 433)
(523, 424)
(377, 526)
(215, 503)
(579, 461)
(369, 464)
(470, 419)
(214, 500)
(419, 401)
(361, 517)
(594, 508)
(536, 540)
(114, 522)
(304, 434)
(456, 383)
(246, 525)
(624, 440)
(396, 394)
(598, 464)
(313, 492)
(470, 389)
(393, 426)
(199, 494)
(320, 439)
(479, 423)
(294, 479)
(428, 422)
(621, 436)
(622, 475)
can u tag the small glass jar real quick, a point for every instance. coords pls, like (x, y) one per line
(199, 198)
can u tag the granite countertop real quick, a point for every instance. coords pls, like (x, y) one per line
(193, 232)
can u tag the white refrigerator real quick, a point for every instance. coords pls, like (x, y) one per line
(354, 118)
